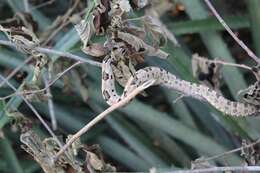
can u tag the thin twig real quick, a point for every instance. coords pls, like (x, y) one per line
(233, 64)
(46, 87)
(43, 4)
(56, 52)
(15, 71)
(218, 169)
(50, 102)
(224, 63)
(64, 23)
(229, 152)
(102, 115)
(240, 42)
(35, 112)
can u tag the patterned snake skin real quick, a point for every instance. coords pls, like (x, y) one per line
(169, 80)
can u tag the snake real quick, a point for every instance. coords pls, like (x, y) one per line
(158, 75)
(169, 80)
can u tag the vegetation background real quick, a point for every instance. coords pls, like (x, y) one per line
(151, 131)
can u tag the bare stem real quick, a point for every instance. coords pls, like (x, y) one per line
(218, 169)
(50, 102)
(43, 4)
(46, 87)
(240, 42)
(225, 63)
(102, 115)
(229, 152)
(34, 111)
(56, 52)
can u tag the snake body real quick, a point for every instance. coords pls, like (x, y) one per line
(164, 78)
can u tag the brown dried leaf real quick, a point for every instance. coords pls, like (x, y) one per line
(100, 16)
(94, 161)
(140, 46)
(152, 27)
(137, 31)
(83, 28)
(95, 49)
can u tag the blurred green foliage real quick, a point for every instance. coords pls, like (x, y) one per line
(149, 132)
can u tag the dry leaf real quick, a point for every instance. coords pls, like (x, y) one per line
(152, 27)
(140, 46)
(95, 49)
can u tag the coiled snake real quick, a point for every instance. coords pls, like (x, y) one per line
(169, 80)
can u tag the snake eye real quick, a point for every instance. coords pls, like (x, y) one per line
(245, 95)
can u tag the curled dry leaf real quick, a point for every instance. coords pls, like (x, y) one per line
(19, 121)
(137, 31)
(44, 151)
(24, 39)
(83, 29)
(97, 164)
(101, 18)
(95, 49)
(140, 46)
(152, 27)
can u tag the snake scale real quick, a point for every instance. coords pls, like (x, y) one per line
(164, 78)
